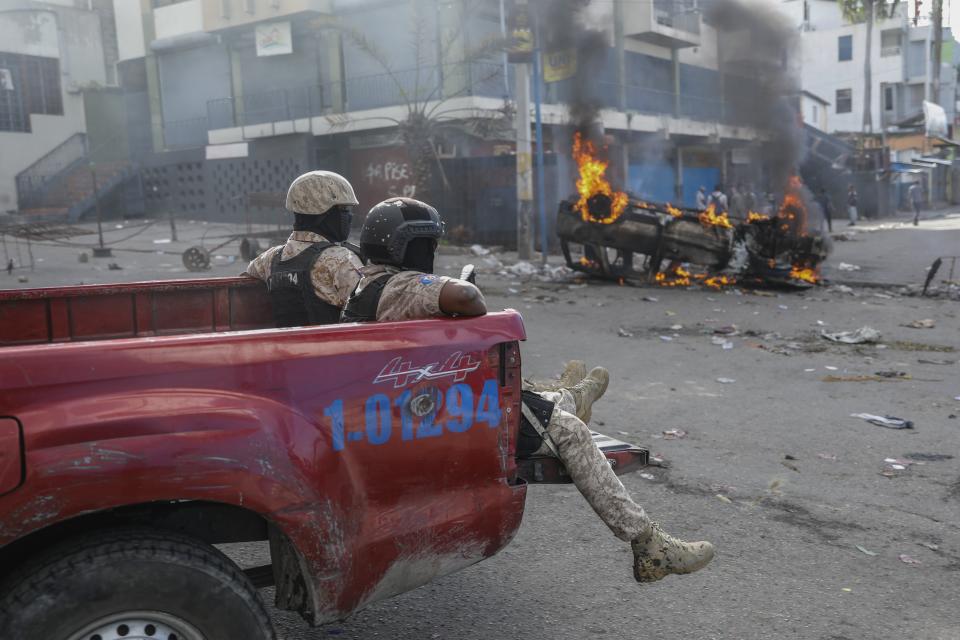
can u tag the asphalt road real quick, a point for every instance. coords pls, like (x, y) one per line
(786, 530)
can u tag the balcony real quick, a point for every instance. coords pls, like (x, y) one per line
(227, 14)
(357, 94)
(667, 23)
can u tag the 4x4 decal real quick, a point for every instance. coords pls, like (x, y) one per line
(402, 372)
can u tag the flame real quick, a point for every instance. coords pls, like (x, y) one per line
(718, 282)
(587, 262)
(792, 211)
(672, 210)
(710, 218)
(676, 277)
(593, 182)
(753, 216)
(799, 272)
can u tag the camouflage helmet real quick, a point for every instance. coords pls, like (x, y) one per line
(315, 192)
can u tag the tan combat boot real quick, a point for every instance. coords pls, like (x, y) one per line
(657, 554)
(573, 372)
(589, 390)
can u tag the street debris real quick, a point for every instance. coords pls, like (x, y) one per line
(929, 545)
(906, 559)
(908, 345)
(890, 422)
(650, 299)
(840, 288)
(113, 266)
(894, 374)
(674, 434)
(648, 476)
(623, 333)
(792, 467)
(865, 550)
(940, 362)
(926, 323)
(84, 257)
(721, 342)
(723, 498)
(666, 338)
(479, 250)
(928, 457)
(846, 266)
(866, 378)
(863, 335)
(522, 269)
(827, 456)
(726, 380)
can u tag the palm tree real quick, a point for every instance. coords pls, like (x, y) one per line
(868, 11)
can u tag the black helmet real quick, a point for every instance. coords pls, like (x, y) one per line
(391, 225)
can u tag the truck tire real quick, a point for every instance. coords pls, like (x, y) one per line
(132, 583)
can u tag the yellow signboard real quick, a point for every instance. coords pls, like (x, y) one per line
(559, 65)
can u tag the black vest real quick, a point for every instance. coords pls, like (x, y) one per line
(362, 307)
(294, 302)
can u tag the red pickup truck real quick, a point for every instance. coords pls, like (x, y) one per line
(141, 424)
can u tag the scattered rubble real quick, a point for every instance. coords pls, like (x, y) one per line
(926, 323)
(890, 422)
(865, 550)
(846, 266)
(906, 559)
(860, 336)
(674, 434)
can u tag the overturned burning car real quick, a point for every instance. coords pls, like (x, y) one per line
(613, 235)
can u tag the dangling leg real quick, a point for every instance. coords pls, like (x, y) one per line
(656, 554)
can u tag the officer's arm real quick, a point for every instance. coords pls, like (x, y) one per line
(462, 298)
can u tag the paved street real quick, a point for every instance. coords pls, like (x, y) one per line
(773, 469)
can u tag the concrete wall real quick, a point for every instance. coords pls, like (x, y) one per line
(78, 47)
(178, 19)
(129, 21)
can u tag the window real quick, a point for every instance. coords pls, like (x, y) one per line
(890, 42)
(28, 84)
(888, 98)
(844, 100)
(814, 114)
(845, 48)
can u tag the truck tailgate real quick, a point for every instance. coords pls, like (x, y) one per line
(622, 456)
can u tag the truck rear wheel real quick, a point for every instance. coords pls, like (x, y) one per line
(133, 584)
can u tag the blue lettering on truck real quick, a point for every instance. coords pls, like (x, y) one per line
(462, 410)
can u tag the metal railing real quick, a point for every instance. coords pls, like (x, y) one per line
(676, 14)
(356, 94)
(36, 179)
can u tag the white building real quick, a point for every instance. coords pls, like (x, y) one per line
(50, 52)
(832, 66)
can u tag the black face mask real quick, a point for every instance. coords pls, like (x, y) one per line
(334, 225)
(419, 255)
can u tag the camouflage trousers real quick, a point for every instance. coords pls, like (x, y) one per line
(590, 471)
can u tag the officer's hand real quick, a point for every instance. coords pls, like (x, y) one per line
(469, 273)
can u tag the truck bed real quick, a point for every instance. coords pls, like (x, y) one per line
(130, 310)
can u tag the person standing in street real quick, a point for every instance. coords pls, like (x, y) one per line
(852, 205)
(737, 207)
(702, 198)
(915, 193)
(823, 199)
(718, 199)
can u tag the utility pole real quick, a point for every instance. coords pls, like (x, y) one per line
(937, 28)
(99, 251)
(524, 163)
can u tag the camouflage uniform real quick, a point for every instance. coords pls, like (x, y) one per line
(335, 273)
(589, 469)
(411, 295)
